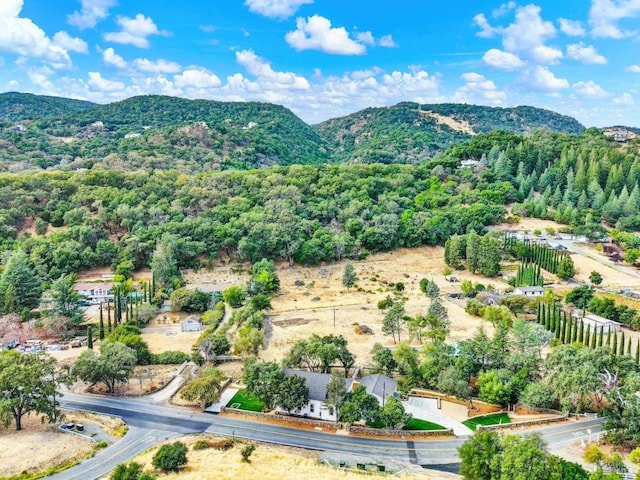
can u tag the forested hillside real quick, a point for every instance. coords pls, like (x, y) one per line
(411, 133)
(157, 132)
(311, 214)
(165, 132)
(15, 107)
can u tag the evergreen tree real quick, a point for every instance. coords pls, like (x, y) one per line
(90, 337)
(19, 287)
(349, 276)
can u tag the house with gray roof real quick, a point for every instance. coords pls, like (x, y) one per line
(317, 384)
(380, 386)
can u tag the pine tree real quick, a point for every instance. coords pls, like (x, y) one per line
(614, 346)
(621, 346)
(101, 331)
(587, 336)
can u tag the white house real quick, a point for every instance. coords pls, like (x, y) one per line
(380, 386)
(97, 292)
(317, 384)
(596, 322)
(529, 291)
(191, 324)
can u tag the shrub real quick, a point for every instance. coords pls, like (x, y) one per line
(101, 444)
(171, 457)
(170, 358)
(201, 444)
(222, 444)
(130, 471)
(246, 452)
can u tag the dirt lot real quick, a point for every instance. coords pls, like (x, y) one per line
(267, 463)
(21, 451)
(311, 296)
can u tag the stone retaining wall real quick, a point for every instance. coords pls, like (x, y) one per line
(278, 417)
(528, 423)
(382, 432)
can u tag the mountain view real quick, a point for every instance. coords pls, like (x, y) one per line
(199, 135)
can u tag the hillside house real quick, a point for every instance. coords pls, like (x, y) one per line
(380, 386)
(596, 323)
(317, 384)
(192, 323)
(97, 293)
(531, 292)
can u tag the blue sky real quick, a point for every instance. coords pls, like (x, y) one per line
(328, 58)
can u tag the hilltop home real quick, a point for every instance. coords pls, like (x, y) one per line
(317, 384)
(96, 292)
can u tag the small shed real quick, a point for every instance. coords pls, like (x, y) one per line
(597, 323)
(191, 324)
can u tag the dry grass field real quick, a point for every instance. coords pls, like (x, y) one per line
(266, 463)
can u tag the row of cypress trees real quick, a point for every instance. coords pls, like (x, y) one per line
(571, 330)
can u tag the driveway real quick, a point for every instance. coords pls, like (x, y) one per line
(427, 409)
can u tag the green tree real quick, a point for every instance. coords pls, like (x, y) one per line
(580, 296)
(429, 288)
(66, 300)
(260, 302)
(19, 286)
(28, 382)
(595, 277)
(392, 413)
(336, 393)
(234, 296)
(130, 471)
(292, 393)
(473, 252)
(360, 405)
(171, 457)
(566, 268)
(246, 452)
(206, 389)
(263, 278)
(349, 276)
(491, 389)
(383, 359)
(524, 458)
(262, 380)
(480, 456)
(164, 263)
(114, 364)
(393, 321)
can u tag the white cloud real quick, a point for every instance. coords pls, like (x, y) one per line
(366, 37)
(605, 15)
(20, 36)
(110, 57)
(634, 68)
(102, 84)
(207, 28)
(542, 79)
(387, 41)
(40, 77)
(585, 54)
(280, 9)
(486, 30)
(158, 66)
(590, 89)
(197, 78)
(528, 34)
(316, 33)
(479, 89)
(260, 68)
(74, 44)
(624, 99)
(503, 9)
(134, 31)
(573, 28)
(91, 12)
(502, 60)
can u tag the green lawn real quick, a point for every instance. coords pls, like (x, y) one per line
(414, 424)
(417, 424)
(244, 401)
(495, 419)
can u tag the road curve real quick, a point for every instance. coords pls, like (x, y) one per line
(151, 422)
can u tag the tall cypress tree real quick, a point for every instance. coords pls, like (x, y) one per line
(101, 331)
(621, 346)
(90, 337)
(614, 346)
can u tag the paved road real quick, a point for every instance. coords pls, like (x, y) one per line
(574, 247)
(156, 421)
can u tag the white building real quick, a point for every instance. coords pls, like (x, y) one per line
(317, 384)
(192, 323)
(529, 291)
(98, 292)
(597, 323)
